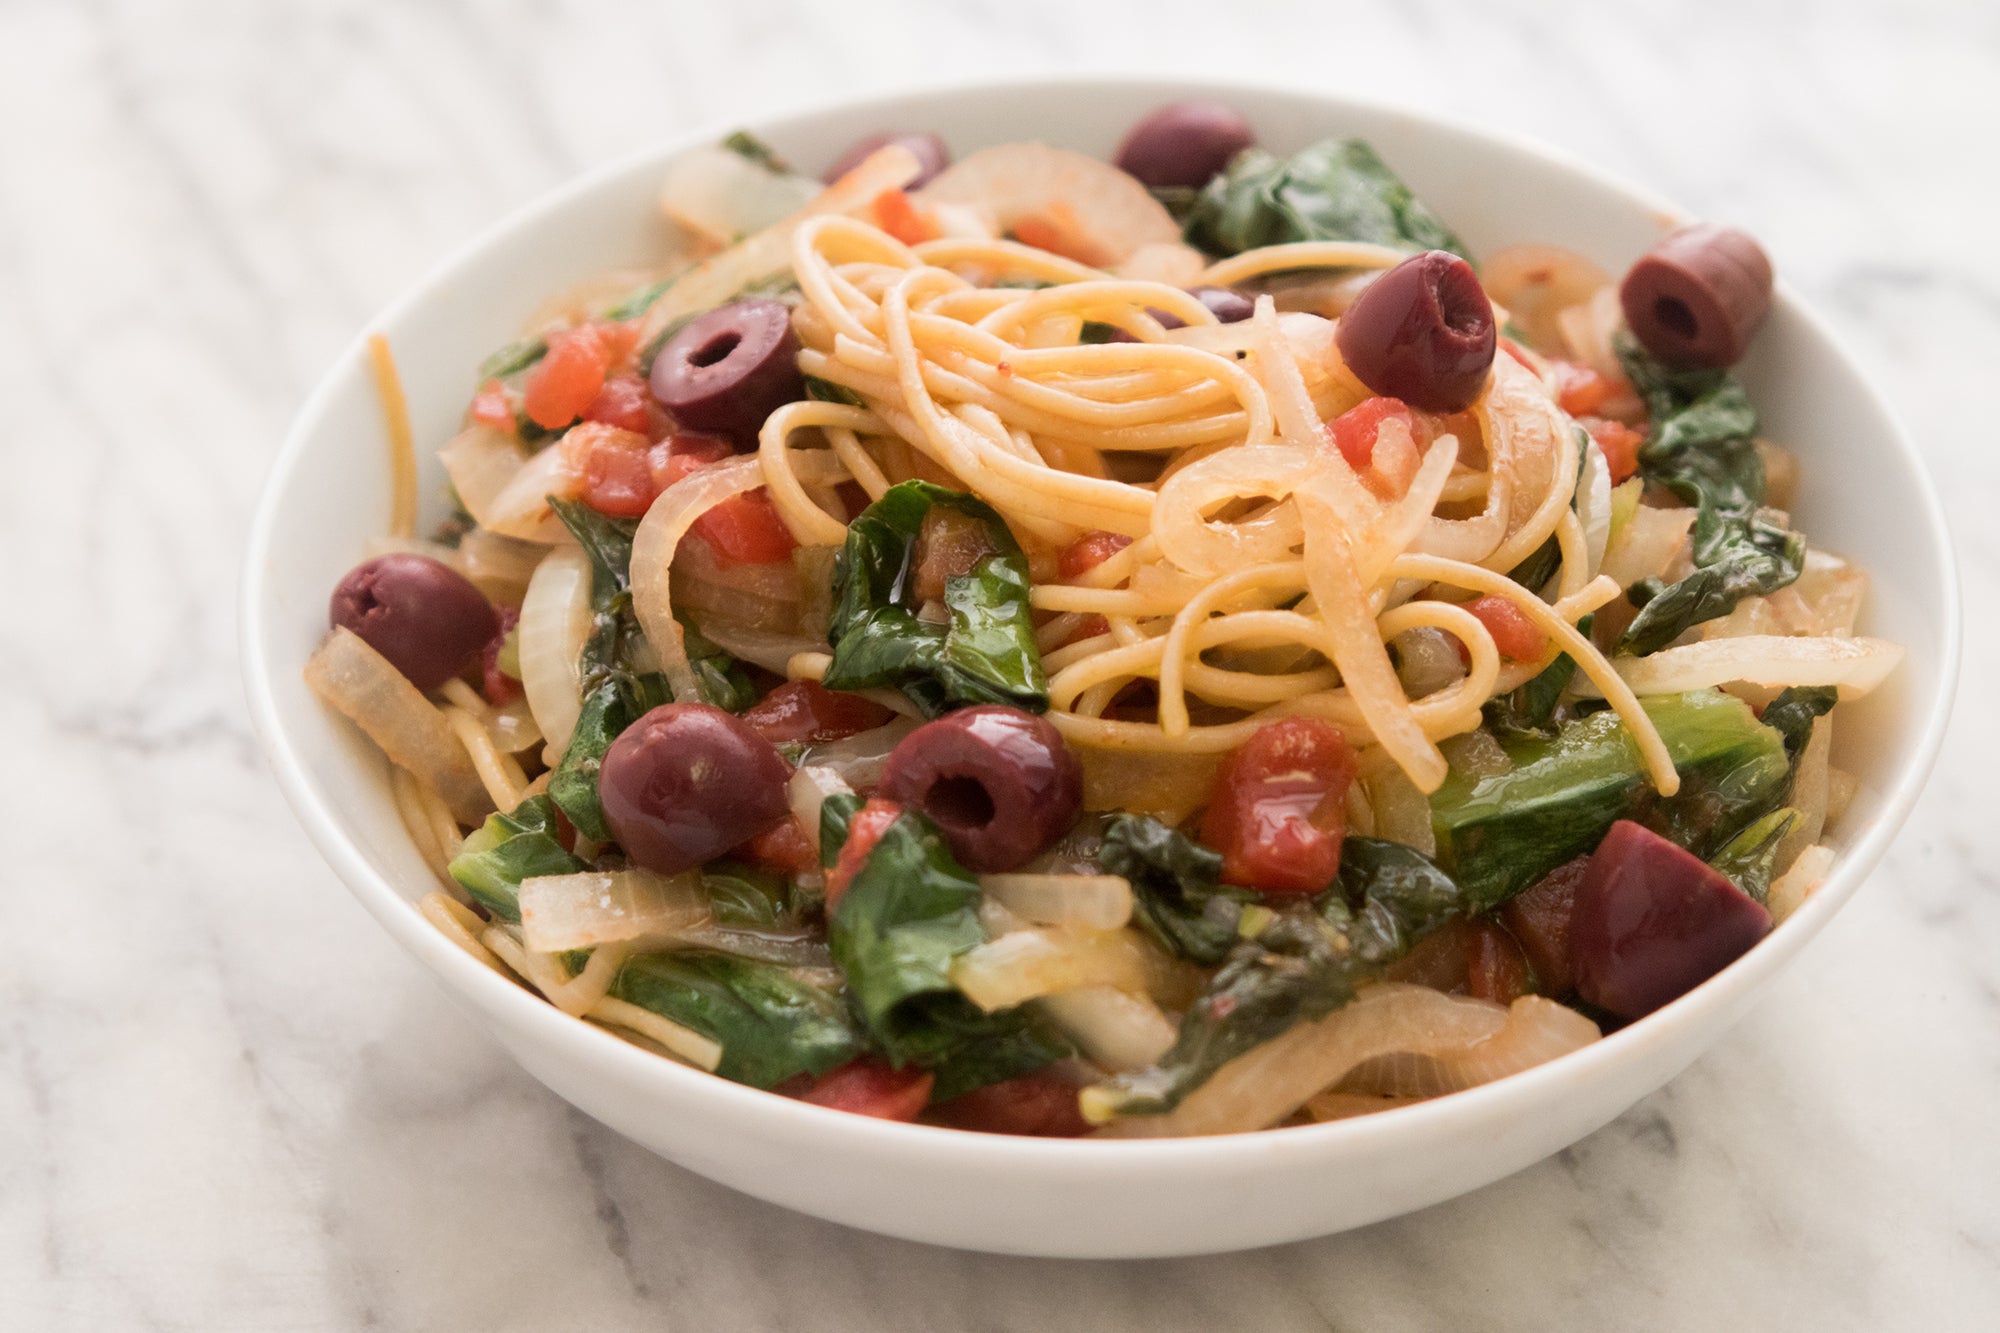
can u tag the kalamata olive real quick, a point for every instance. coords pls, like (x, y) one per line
(730, 368)
(1694, 299)
(1652, 921)
(931, 154)
(424, 616)
(998, 782)
(687, 782)
(1182, 144)
(1422, 332)
(1227, 305)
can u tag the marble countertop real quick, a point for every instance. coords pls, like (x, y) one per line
(227, 1101)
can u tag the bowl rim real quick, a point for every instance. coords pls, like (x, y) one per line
(757, 1108)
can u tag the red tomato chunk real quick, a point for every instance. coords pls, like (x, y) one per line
(627, 403)
(1089, 551)
(1518, 638)
(615, 467)
(1280, 807)
(805, 710)
(870, 822)
(746, 530)
(1038, 1104)
(567, 378)
(868, 1086)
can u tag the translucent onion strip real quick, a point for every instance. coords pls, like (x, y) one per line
(561, 912)
(653, 546)
(1534, 1031)
(1856, 665)
(359, 682)
(1113, 1029)
(1027, 964)
(1087, 902)
(555, 621)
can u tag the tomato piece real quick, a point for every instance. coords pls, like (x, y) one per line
(1518, 638)
(950, 545)
(1089, 551)
(613, 466)
(1038, 1104)
(1355, 431)
(492, 407)
(1496, 968)
(498, 687)
(1619, 443)
(868, 1086)
(1088, 628)
(870, 822)
(898, 215)
(1280, 807)
(683, 452)
(568, 377)
(746, 530)
(1538, 918)
(784, 847)
(805, 710)
(626, 402)
(1580, 391)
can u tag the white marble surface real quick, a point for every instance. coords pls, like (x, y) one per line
(227, 1102)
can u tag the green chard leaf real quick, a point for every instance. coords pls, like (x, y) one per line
(984, 653)
(908, 912)
(512, 359)
(1335, 190)
(743, 897)
(1304, 964)
(1793, 713)
(508, 848)
(772, 1024)
(1750, 859)
(1702, 447)
(1177, 893)
(1499, 833)
(1531, 709)
(745, 144)
(639, 300)
(826, 391)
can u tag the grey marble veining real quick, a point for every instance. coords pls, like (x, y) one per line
(227, 1102)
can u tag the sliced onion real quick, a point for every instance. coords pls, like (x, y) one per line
(1402, 813)
(560, 912)
(653, 547)
(1427, 660)
(773, 581)
(555, 621)
(1087, 902)
(1346, 1105)
(767, 648)
(1790, 890)
(803, 949)
(522, 510)
(500, 566)
(720, 195)
(858, 760)
(360, 682)
(1536, 283)
(1856, 665)
(1264, 1086)
(1173, 262)
(1593, 506)
(1111, 214)
(1027, 964)
(807, 791)
(1533, 1031)
(1811, 786)
(1646, 546)
(513, 726)
(1113, 1029)
(481, 461)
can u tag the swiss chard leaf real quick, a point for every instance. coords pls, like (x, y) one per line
(743, 897)
(826, 391)
(1793, 712)
(1531, 709)
(908, 912)
(1303, 965)
(1177, 893)
(985, 652)
(509, 847)
(1335, 190)
(1750, 858)
(1701, 446)
(771, 1024)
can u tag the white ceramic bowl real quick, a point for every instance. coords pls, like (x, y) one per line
(1865, 495)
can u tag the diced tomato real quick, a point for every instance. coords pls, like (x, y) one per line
(746, 530)
(565, 381)
(1355, 430)
(1518, 638)
(1087, 628)
(683, 452)
(1580, 391)
(1280, 807)
(853, 497)
(614, 467)
(627, 403)
(950, 545)
(1061, 232)
(784, 847)
(1538, 918)
(1089, 551)
(498, 687)
(1619, 443)
(1038, 1104)
(896, 214)
(491, 407)
(805, 710)
(870, 822)
(1496, 969)
(868, 1086)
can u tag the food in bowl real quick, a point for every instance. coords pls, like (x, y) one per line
(1049, 646)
